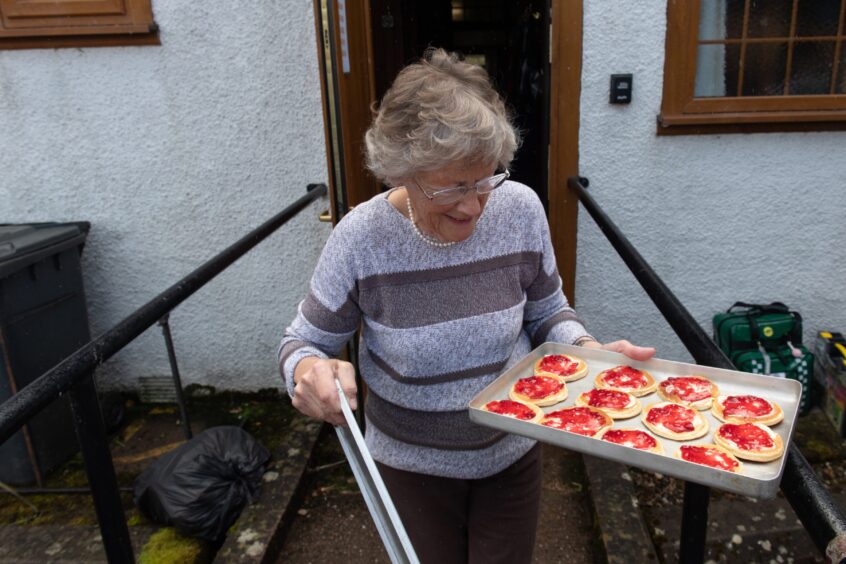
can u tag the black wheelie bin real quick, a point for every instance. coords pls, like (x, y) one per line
(43, 319)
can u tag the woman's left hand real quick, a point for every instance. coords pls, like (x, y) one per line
(632, 351)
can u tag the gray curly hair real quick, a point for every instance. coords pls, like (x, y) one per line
(439, 110)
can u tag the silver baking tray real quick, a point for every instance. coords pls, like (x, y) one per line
(757, 479)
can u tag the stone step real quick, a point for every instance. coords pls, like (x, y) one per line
(261, 528)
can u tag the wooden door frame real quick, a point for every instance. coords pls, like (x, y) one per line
(348, 98)
(564, 116)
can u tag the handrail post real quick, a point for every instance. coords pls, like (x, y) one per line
(164, 323)
(694, 525)
(94, 445)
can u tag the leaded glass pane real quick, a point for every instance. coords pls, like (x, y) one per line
(770, 18)
(816, 18)
(764, 69)
(812, 66)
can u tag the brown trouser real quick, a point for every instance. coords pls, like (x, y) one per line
(486, 520)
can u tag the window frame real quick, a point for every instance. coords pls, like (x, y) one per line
(76, 23)
(682, 112)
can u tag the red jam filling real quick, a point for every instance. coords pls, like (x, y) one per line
(634, 438)
(676, 418)
(613, 399)
(746, 406)
(538, 387)
(708, 456)
(579, 420)
(747, 436)
(558, 364)
(625, 377)
(687, 388)
(511, 409)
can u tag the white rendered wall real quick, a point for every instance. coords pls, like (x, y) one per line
(172, 153)
(719, 217)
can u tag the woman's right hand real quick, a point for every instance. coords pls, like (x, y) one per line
(315, 393)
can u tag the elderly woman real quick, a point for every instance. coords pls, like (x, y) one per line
(451, 278)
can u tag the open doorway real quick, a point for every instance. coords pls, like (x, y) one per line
(510, 38)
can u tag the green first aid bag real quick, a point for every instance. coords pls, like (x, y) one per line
(744, 326)
(796, 363)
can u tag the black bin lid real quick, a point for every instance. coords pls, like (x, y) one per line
(26, 243)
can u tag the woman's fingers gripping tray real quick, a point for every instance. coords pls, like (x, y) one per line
(315, 392)
(632, 351)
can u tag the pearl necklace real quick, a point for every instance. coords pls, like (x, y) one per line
(426, 238)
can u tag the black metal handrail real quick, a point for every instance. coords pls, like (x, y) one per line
(72, 375)
(819, 513)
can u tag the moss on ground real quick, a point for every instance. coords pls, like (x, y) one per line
(54, 509)
(167, 546)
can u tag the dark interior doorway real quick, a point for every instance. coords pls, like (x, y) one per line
(510, 38)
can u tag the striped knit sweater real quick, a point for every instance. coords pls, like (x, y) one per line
(437, 326)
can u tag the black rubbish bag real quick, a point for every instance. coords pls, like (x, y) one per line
(201, 487)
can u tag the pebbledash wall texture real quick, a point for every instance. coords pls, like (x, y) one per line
(720, 218)
(173, 152)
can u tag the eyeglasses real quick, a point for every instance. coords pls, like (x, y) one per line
(446, 196)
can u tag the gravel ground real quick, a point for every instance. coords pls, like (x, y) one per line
(333, 524)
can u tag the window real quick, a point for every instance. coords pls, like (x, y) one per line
(26, 24)
(774, 62)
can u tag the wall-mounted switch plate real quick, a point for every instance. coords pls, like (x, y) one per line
(621, 89)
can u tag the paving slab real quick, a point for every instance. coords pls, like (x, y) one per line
(59, 544)
(744, 530)
(566, 529)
